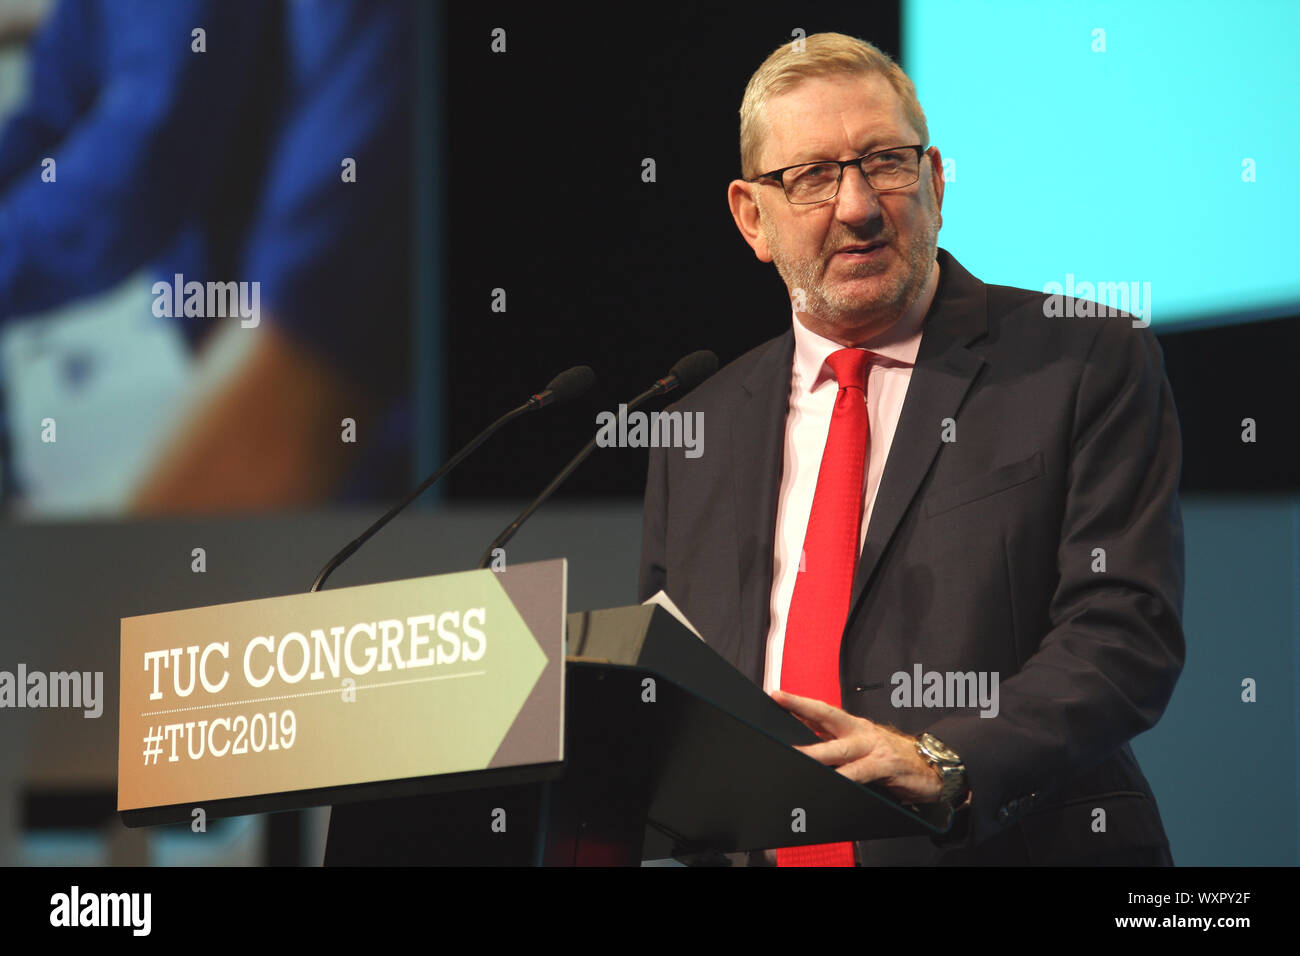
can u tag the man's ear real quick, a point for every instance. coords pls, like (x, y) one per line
(744, 210)
(936, 178)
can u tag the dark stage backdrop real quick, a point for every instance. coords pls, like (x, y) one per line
(545, 200)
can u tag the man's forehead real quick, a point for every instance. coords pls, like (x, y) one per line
(822, 117)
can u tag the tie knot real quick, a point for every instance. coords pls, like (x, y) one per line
(850, 367)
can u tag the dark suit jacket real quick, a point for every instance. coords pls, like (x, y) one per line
(980, 556)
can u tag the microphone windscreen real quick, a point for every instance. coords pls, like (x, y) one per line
(571, 383)
(694, 369)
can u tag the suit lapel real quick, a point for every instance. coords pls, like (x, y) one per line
(757, 458)
(943, 374)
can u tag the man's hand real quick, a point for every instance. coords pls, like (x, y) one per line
(864, 751)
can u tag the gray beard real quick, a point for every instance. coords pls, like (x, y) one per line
(839, 311)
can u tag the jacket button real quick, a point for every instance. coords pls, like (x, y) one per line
(859, 688)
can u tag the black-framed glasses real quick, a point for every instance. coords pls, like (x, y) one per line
(884, 169)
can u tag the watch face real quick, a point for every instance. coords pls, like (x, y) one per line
(936, 747)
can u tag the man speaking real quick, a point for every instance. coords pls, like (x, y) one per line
(927, 486)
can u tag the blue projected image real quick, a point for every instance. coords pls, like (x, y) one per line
(1150, 148)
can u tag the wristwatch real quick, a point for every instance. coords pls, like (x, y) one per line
(952, 772)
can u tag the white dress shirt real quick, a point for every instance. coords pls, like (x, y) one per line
(813, 389)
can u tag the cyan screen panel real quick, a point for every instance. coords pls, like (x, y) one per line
(1119, 142)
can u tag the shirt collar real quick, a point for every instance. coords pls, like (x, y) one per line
(899, 343)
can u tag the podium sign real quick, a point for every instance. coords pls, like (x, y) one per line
(303, 700)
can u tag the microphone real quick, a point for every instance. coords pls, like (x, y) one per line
(686, 374)
(566, 386)
(569, 384)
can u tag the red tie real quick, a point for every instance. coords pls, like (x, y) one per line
(810, 662)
